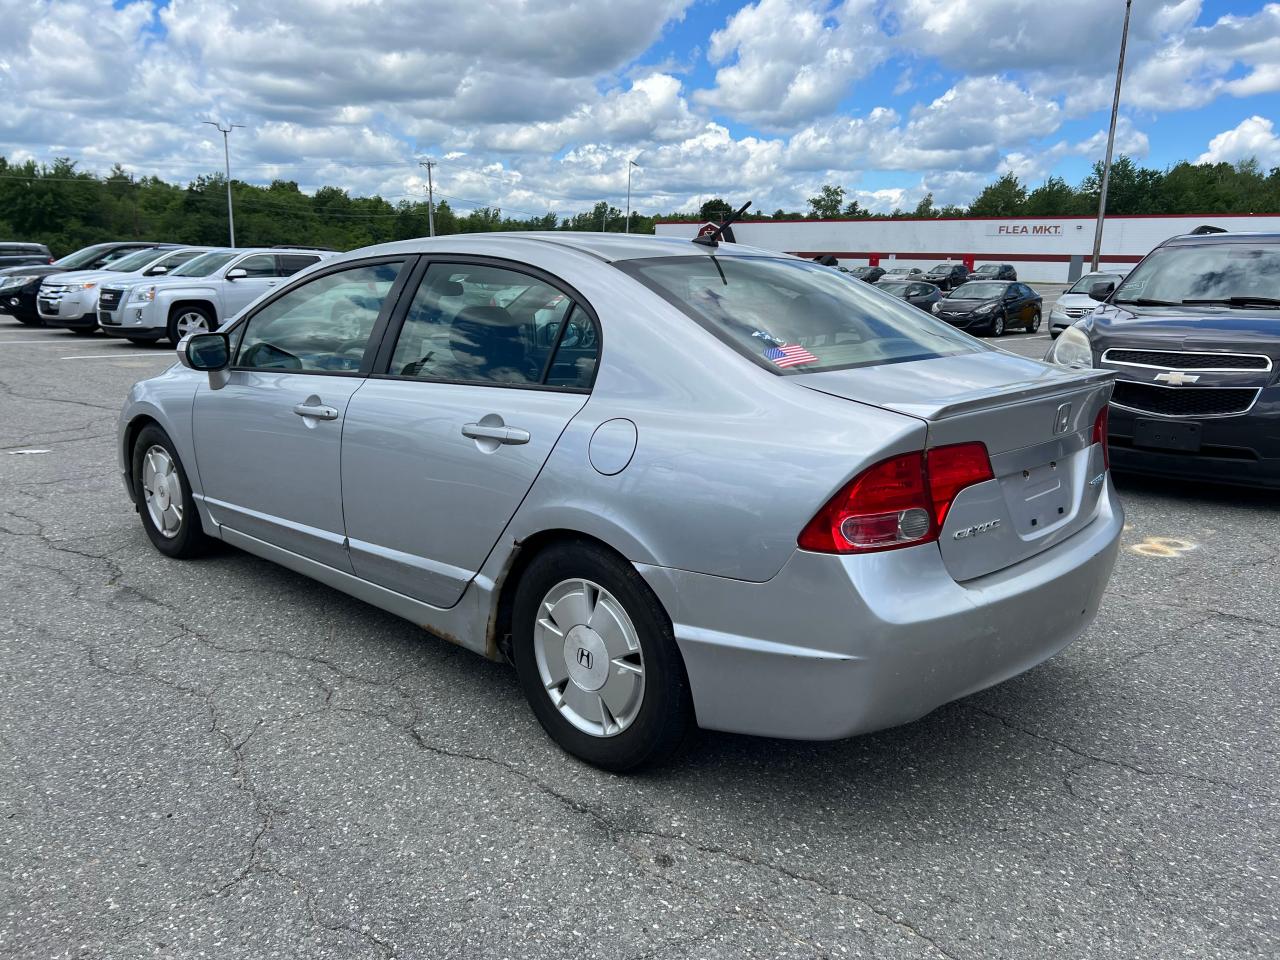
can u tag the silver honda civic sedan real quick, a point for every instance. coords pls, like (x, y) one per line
(673, 483)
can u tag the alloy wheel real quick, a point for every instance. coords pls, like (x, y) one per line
(191, 321)
(997, 327)
(162, 491)
(588, 656)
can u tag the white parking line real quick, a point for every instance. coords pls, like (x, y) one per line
(117, 356)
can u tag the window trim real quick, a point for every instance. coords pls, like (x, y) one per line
(389, 305)
(382, 362)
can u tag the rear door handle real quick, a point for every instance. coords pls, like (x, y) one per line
(483, 431)
(315, 411)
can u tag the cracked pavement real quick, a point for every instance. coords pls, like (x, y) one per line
(223, 759)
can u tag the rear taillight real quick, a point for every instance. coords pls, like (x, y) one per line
(898, 502)
(1100, 426)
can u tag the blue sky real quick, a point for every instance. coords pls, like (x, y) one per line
(537, 104)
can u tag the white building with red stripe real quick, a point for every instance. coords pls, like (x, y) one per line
(1047, 249)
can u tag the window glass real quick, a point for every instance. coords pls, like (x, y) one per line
(792, 317)
(291, 263)
(1212, 273)
(1085, 283)
(133, 261)
(479, 323)
(205, 264)
(177, 259)
(322, 325)
(259, 265)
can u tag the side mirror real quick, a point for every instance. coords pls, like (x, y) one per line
(156, 271)
(237, 273)
(1100, 291)
(209, 352)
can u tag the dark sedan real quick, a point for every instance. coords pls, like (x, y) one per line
(947, 276)
(1193, 334)
(19, 285)
(991, 306)
(916, 293)
(995, 271)
(869, 274)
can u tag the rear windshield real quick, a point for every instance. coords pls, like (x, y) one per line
(205, 264)
(792, 316)
(1210, 272)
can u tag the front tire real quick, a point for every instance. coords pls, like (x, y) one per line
(1034, 325)
(164, 498)
(997, 326)
(190, 318)
(597, 658)
(83, 331)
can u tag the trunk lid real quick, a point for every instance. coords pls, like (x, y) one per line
(1037, 423)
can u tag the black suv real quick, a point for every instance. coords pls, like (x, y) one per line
(20, 284)
(13, 254)
(946, 276)
(995, 271)
(1193, 334)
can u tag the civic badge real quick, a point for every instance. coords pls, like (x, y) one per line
(1176, 378)
(1063, 419)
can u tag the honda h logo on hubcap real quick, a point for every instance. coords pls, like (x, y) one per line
(584, 658)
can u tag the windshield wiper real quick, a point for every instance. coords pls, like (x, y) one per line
(1144, 302)
(1236, 302)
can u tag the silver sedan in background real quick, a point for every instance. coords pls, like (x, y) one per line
(671, 482)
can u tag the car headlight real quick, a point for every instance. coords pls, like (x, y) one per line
(21, 280)
(89, 286)
(937, 305)
(1071, 349)
(985, 308)
(143, 295)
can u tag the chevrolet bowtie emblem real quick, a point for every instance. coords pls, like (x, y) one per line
(1176, 378)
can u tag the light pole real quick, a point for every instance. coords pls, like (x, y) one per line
(431, 203)
(226, 155)
(630, 164)
(1111, 141)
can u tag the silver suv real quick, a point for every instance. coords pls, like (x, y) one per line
(200, 295)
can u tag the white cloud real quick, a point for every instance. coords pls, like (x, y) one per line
(1252, 137)
(787, 61)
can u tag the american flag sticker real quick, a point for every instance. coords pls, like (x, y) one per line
(789, 355)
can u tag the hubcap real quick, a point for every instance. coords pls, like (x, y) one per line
(162, 491)
(588, 656)
(191, 322)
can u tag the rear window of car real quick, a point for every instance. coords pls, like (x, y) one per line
(792, 316)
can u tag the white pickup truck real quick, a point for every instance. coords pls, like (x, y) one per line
(200, 295)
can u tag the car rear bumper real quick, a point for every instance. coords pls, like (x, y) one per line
(836, 646)
(1241, 450)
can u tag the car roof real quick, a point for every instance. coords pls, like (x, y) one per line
(608, 247)
(1196, 239)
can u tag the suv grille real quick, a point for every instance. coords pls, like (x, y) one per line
(1183, 401)
(1177, 360)
(109, 299)
(1075, 313)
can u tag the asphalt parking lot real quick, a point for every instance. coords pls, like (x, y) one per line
(223, 759)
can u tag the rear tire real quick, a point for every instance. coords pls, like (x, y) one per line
(163, 495)
(619, 699)
(190, 318)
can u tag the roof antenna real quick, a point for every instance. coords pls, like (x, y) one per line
(712, 239)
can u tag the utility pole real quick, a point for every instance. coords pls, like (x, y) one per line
(431, 201)
(604, 217)
(630, 164)
(226, 156)
(1111, 141)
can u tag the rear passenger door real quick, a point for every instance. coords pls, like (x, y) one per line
(470, 393)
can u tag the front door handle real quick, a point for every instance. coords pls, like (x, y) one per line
(315, 411)
(502, 434)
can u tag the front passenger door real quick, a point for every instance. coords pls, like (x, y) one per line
(268, 443)
(260, 276)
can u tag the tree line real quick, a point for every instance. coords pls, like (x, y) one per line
(65, 207)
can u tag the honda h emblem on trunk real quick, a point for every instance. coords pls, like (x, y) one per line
(1063, 419)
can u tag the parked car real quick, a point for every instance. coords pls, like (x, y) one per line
(947, 276)
(70, 300)
(1193, 333)
(904, 273)
(202, 294)
(601, 517)
(13, 254)
(1076, 302)
(869, 274)
(994, 271)
(991, 306)
(915, 292)
(20, 285)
